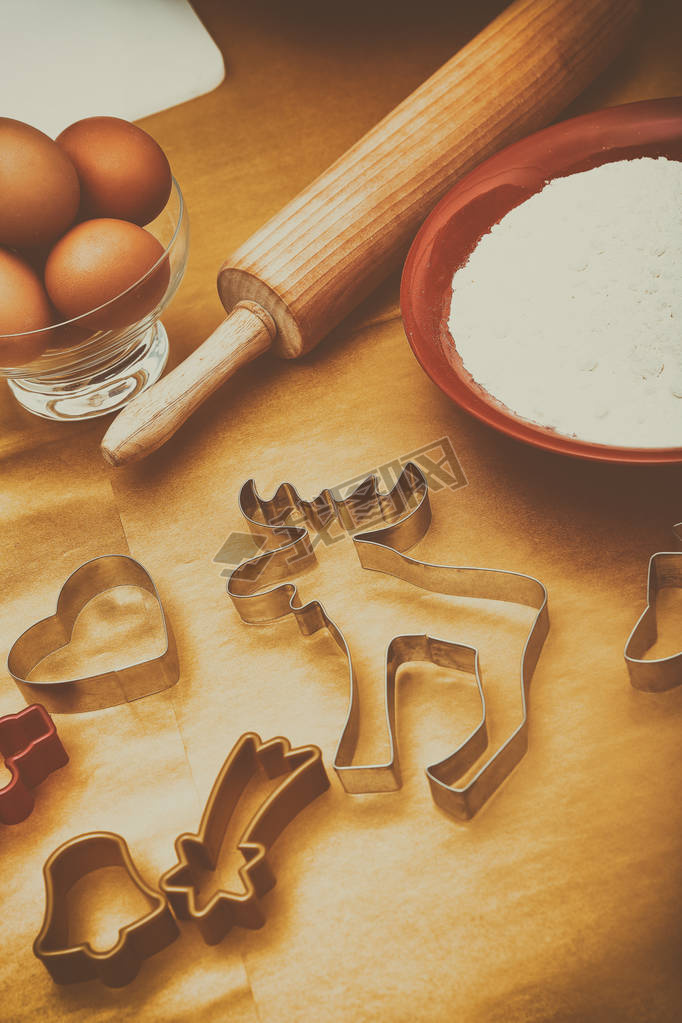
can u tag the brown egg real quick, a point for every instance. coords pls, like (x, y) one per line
(69, 334)
(123, 172)
(97, 261)
(24, 306)
(39, 191)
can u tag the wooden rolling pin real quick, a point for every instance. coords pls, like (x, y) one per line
(301, 273)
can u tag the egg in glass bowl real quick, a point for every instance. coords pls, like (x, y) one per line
(93, 245)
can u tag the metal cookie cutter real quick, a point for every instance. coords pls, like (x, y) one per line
(304, 780)
(108, 688)
(69, 964)
(656, 674)
(32, 751)
(260, 596)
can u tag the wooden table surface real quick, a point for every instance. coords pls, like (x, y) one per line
(561, 900)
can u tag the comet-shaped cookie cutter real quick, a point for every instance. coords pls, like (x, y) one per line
(406, 515)
(137, 941)
(32, 750)
(655, 675)
(305, 779)
(108, 688)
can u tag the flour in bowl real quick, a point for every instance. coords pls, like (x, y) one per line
(569, 311)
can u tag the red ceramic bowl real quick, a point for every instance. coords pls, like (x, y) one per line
(480, 200)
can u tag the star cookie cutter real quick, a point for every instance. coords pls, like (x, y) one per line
(104, 689)
(137, 941)
(655, 675)
(260, 594)
(304, 780)
(32, 750)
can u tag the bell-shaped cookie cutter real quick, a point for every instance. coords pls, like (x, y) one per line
(260, 593)
(104, 689)
(144, 937)
(304, 779)
(32, 751)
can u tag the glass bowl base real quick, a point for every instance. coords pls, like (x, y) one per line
(105, 391)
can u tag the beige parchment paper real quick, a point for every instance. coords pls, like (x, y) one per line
(561, 900)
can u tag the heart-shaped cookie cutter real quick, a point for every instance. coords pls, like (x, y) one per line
(137, 941)
(32, 750)
(107, 688)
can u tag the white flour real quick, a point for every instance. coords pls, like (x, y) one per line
(569, 310)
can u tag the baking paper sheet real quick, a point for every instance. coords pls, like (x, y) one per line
(561, 900)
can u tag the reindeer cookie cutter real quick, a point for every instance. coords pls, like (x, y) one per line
(260, 593)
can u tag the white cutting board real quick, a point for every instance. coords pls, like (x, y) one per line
(61, 60)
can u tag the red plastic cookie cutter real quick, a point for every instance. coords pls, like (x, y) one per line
(32, 750)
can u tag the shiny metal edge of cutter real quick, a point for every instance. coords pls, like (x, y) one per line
(302, 778)
(260, 594)
(73, 963)
(104, 689)
(655, 674)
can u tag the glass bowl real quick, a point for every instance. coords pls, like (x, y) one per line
(88, 371)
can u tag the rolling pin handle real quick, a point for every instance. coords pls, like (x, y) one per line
(153, 416)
